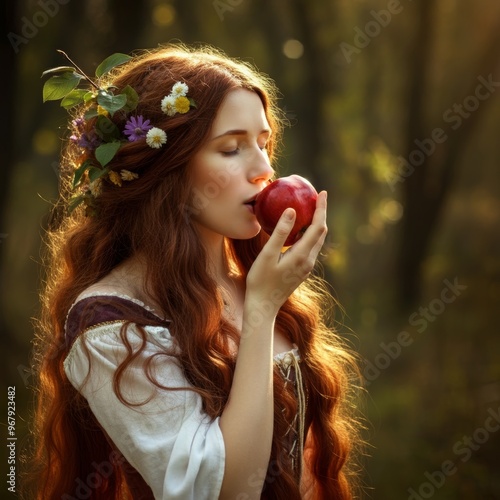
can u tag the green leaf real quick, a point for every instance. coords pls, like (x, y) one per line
(75, 97)
(191, 102)
(60, 86)
(75, 201)
(91, 113)
(111, 103)
(132, 98)
(95, 173)
(106, 152)
(80, 171)
(106, 129)
(89, 96)
(59, 69)
(110, 62)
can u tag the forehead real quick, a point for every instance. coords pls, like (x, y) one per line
(241, 109)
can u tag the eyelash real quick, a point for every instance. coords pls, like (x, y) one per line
(237, 150)
(231, 153)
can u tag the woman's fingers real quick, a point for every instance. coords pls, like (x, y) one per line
(313, 238)
(300, 258)
(281, 231)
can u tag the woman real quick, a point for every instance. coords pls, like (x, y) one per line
(182, 353)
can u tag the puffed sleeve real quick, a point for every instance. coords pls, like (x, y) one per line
(177, 449)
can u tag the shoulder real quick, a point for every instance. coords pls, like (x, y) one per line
(101, 306)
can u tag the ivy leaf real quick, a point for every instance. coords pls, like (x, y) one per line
(106, 152)
(132, 98)
(106, 129)
(60, 86)
(110, 62)
(59, 69)
(75, 97)
(80, 171)
(111, 103)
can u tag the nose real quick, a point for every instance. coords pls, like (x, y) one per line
(260, 169)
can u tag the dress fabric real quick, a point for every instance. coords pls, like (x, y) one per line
(171, 449)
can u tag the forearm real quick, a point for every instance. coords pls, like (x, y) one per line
(247, 420)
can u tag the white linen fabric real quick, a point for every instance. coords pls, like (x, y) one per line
(177, 449)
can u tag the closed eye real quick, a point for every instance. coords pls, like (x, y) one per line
(230, 153)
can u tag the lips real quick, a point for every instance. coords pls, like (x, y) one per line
(250, 203)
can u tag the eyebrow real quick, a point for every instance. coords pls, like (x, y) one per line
(240, 132)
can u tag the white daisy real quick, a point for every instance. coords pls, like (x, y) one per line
(180, 89)
(156, 137)
(168, 105)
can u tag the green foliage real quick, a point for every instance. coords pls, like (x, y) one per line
(105, 152)
(74, 98)
(132, 99)
(111, 62)
(59, 86)
(80, 171)
(111, 103)
(106, 129)
(97, 102)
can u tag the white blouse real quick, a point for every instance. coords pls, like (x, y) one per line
(176, 448)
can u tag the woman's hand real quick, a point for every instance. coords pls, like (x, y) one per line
(275, 275)
(272, 278)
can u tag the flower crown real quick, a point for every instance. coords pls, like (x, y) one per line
(104, 139)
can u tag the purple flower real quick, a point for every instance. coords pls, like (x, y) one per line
(79, 124)
(136, 128)
(82, 138)
(85, 140)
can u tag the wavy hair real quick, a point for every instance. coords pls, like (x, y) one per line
(151, 215)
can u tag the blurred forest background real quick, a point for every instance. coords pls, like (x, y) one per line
(395, 110)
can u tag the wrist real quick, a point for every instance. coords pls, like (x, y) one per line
(259, 312)
(267, 304)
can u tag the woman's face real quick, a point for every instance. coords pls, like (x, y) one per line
(231, 168)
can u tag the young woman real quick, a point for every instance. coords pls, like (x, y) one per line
(183, 354)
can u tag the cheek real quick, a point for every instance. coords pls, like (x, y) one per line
(218, 184)
(213, 197)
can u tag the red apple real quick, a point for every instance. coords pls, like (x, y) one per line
(293, 191)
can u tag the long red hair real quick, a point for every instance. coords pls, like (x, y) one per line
(151, 215)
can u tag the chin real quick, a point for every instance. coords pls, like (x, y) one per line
(246, 234)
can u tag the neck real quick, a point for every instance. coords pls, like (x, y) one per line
(218, 266)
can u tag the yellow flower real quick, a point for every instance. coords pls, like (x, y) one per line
(102, 111)
(182, 104)
(127, 175)
(115, 178)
